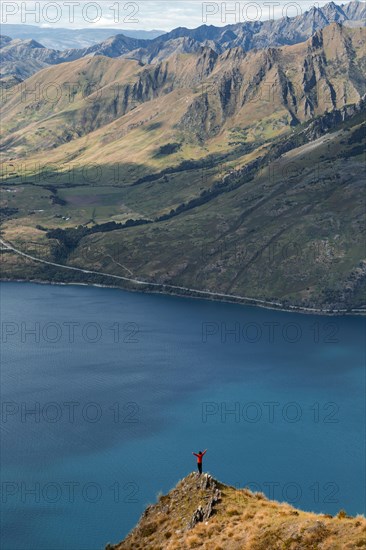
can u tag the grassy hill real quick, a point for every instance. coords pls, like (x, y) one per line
(201, 512)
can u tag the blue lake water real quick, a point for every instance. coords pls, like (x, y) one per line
(105, 394)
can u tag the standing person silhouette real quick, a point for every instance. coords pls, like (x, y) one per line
(199, 456)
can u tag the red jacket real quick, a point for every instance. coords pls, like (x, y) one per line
(199, 456)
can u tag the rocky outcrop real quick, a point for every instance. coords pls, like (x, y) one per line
(327, 122)
(204, 512)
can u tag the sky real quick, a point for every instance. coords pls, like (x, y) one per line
(147, 14)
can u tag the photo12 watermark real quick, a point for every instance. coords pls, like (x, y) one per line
(50, 174)
(51, 93)
(69, 412)
(269, 332)
(69, 332)
(291, 492)
(250, 12)
(69, 492)
(270, 412)
(88, 13)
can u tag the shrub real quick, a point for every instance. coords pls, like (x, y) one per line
(148, 529)
(168, 149)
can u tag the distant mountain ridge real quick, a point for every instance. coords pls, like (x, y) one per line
(258, 34)
(249, 35)
(65, 39)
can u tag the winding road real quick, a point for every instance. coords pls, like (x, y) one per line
(264, 303)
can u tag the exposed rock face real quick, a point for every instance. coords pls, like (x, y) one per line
(303, 78)
(203, 513)
(328, 121)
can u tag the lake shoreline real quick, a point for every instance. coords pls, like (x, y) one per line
(289, 309)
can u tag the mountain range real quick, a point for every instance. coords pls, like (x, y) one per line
(15, 54)
(212, 167)
(64, 39)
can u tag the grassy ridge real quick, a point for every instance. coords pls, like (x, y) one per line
(204, 513)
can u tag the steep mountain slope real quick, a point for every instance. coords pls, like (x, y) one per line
(201, 512)
(74, 92)
(355, 11)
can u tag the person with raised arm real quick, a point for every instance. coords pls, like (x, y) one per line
(199, 456)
